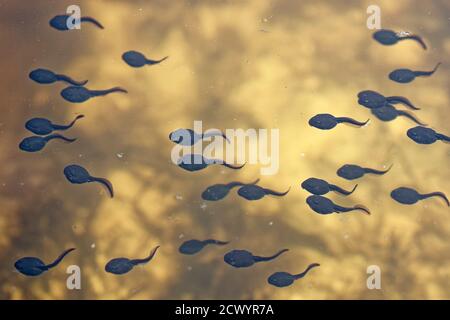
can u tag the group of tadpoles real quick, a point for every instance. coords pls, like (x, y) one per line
(195, 162)
(249, 191)
(76, 174)
(75, 93)
(380, 106)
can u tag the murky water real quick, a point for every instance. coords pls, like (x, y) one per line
(233, 64)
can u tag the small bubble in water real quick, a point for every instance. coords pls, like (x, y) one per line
(179, 197)
(181, 236)
(271, 223)
(203, 206)
(93, 246)
(120, 155)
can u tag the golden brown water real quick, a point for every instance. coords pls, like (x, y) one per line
(233, 64)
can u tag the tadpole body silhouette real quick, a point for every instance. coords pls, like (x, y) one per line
(323, 205)
(321, 187)
(410, 196)
(285, 279)
(389, 37)
(254, 192)
(373, 100)
(37, 143)
(219, 191)
(353, 171)
(32, 266)
(389, 113)
(45, 76)
(325, 121)
(194, 246)
(136, 59)
(196, 162)
(245, 259)
(81, 94)
(188, 137)
(119, 266)
(42, 126)
(59, 22)
(422, 135)
(78, 175)
(407, 75)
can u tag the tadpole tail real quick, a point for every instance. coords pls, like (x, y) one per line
(58, 136)
(231, 166)
(374, 171)
(362, 208)
(93, 21)
(59, 259)
(106, 183)
(149, 61)
(443, 137)
(351, 121)
(107, 91)
(116, 89)
(258, 259)
(276, 193)
(301, 275)
(145, 260)
(436, 194)
(415, 38)
(340, 209)
(238, 184)
(65, 127)
(216, 242)
(347, 209)
(426, 73)
(402, 100)
(254, 182)
(71, 81)
(411, 117)
(342, 191)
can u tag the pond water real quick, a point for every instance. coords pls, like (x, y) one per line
(232, 64)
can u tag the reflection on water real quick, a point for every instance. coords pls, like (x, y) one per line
(233, 64)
